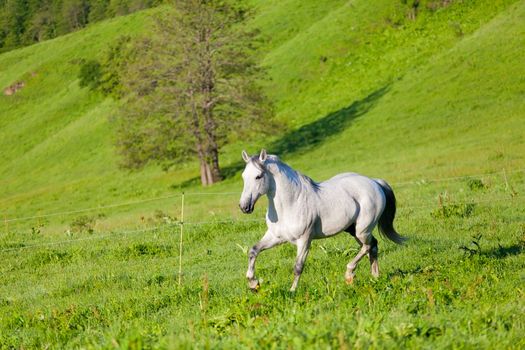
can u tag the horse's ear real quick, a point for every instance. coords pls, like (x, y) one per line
(245, 156)
(263, 155)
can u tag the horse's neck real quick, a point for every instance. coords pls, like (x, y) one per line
(284, 194)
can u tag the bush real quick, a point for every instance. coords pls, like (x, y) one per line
(476, 184)
(82, 224)
(90, 74)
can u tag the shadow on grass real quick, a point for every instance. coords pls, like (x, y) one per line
(193, 182)
(310, 135)
(409, 272)
(502, 252)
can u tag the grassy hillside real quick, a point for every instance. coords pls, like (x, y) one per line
(56, 137)
(324, 61)
(420, 103)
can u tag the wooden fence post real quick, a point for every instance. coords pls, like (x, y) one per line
(181, 237)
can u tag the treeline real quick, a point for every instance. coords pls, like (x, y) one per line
(25, 22)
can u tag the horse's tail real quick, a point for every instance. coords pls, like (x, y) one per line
(386, 220)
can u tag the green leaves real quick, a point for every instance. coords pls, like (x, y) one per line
(189, 87)
(24, 22)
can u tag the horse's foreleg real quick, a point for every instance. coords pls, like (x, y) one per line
(303, 247)
(268, 241)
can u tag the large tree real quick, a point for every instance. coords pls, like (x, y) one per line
(190, 87)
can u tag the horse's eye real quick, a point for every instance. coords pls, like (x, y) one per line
(258, 177)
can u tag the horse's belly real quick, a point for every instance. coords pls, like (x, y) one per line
(287, 231)
(333, 228)
(337, 218)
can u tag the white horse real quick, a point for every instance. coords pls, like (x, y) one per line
(301, 210)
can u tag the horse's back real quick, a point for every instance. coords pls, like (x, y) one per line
(352, 193)
(354, 184)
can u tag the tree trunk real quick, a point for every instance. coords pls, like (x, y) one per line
(209, 168)
(208, 105)
(214, 166)
(208, 175)
(204, 180)
(205, 173)
(202, 151)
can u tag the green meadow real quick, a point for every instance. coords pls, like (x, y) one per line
(433, 104)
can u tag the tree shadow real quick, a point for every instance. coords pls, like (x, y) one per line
(192, 182)
(310, 135)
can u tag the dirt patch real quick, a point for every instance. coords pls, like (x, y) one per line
(14, 88)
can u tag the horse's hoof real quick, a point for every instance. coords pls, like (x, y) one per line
(254, 285)
(349, 279)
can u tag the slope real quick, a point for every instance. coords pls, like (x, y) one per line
(362, 87)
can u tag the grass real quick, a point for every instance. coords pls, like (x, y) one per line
(123, 290)
(422, 104)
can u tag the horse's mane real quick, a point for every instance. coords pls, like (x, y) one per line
(293, 175)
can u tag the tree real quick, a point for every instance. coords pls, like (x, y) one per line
(118, 8)
(114, 63)
(97, 10)
(15, 13)
(75, 14)
(40, 27)
(192, 88)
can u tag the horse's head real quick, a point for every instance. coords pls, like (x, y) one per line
(256, 181)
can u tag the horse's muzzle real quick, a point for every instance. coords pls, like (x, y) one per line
(247, 209)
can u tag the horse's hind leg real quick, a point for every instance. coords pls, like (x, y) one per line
(368, 247)
(372, 254)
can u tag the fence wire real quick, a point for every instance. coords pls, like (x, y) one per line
(181, 275)
(153, 199)
(64, 213)
(175, 225)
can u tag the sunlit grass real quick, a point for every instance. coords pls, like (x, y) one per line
(445, 127)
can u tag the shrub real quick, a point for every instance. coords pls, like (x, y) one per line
(90, 74)
(82, 224)
(461, 210)
(476, 184)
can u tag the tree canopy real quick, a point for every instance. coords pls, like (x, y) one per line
(191, 86)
